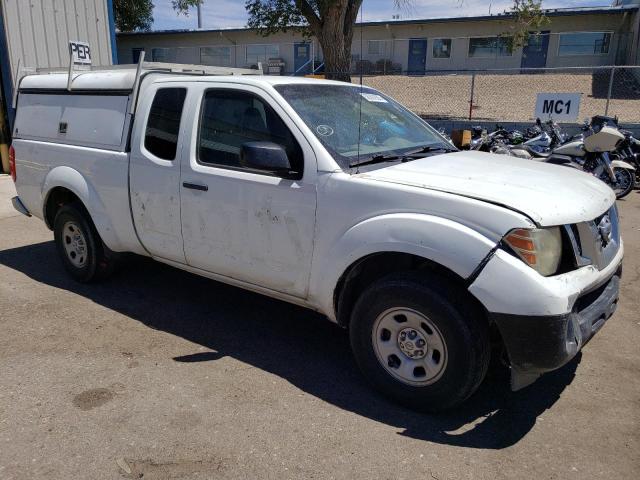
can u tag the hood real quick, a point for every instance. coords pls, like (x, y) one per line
(548, 194)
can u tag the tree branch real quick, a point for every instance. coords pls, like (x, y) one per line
(353, 7)
(310, 14)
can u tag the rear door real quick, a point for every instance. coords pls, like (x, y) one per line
(243, 223)
(154, 172)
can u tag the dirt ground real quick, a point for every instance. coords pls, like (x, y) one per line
(160, 374)
(510, 98)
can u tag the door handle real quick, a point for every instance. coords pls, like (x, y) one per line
(195, 186)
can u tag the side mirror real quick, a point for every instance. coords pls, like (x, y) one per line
(267, 156)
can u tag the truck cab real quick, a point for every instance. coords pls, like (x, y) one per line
(331, 196)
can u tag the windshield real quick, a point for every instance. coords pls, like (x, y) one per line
(333, 113)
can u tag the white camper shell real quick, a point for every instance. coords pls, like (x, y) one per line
(94, 108)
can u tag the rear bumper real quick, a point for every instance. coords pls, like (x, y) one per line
(538, 344)
(19, 206)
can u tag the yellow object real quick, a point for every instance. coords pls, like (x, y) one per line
(4, 152)
(321, 77)
(461, 138)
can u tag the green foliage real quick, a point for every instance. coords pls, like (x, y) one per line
(527, 16)
(132, 15)
(271, 16)
(183, 6)
(137, 15)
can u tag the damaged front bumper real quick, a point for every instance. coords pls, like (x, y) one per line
(545, 321)
(539, 344)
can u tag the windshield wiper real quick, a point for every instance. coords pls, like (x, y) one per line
(410, 155)
(431, 148)
(377, 159)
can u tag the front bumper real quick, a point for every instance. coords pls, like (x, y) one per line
(538, 344)
(545, 321)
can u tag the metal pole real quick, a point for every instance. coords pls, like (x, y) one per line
(606, 108)
(473, 86)
(199, 16)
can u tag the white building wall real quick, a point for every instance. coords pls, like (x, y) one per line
(396, 37)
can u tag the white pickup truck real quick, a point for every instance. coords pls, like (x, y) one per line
(331, 196)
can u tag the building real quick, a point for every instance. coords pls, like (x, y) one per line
(574, 37)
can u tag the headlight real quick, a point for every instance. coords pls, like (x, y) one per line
(540, 248)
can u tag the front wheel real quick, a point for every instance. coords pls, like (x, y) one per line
(419, 342)
(624, 182)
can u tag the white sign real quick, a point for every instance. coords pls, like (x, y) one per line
(372, 97)
(80, 53)
(561, 107)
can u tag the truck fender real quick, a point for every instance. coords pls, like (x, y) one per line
(443, 241)
(74, 181)
(622, 164)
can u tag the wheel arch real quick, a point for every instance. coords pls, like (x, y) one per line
(392, 243)
(367, 270)
(64, 185)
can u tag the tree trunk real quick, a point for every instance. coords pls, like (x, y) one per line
(335, 34)
(336, 50)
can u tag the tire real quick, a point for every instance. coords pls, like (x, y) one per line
(85, 257)
(625, 181)
(434, 308)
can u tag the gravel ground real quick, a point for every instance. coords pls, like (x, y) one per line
(160, 374)
(509, 98)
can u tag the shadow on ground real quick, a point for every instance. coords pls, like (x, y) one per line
(293, 343)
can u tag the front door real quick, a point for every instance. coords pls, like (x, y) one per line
(417, 64)
(302, 58)
(534, 53)
(154, 171)
(239, 222)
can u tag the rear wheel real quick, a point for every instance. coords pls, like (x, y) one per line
(420, 341)
(79, 245)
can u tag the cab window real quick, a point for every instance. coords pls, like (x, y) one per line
(231, 118)
(163, 125)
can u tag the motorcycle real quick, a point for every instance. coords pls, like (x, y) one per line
(590, 152)
(629, 151)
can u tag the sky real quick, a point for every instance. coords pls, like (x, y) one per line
(231, 13)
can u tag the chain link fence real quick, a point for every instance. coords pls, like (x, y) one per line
(510, 95)
(488, 94)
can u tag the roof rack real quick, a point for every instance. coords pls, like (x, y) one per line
(181, 68)
(128, 76)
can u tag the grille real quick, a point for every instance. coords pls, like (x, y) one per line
(599, 239)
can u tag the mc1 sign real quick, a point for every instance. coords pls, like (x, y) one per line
(558, 106)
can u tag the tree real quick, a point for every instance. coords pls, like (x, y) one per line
(137, 15)
(527, 16)
(332, 23)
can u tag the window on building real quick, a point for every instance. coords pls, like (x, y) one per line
(218, 56)
(441, 48)
(231, 118)
(261, 53)
(489, 47)
(378, 47)
(584, 43)
(160, 55)
(163, 124)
